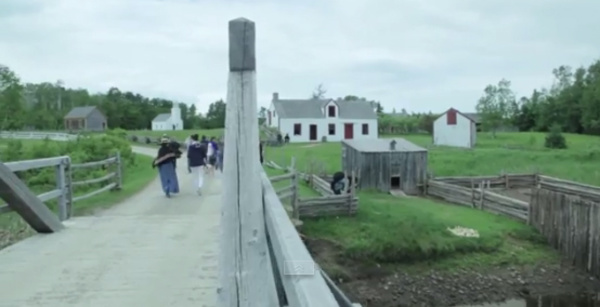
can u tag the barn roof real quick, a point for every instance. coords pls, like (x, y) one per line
(474, 117)
(313, 108)
(383, 145)
(162, 117)
(80, 112)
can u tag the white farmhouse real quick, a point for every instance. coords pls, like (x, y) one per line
(310, 120)
(168, 121)
(456, 129)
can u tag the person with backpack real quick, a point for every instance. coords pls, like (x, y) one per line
(338, 183)
(166, 161)
(197, 156)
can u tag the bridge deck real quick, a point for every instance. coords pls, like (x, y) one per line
(148, 251)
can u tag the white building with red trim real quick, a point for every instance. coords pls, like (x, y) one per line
(456, 129)
(310, 120)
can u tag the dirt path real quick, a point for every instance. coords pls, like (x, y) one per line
(147, 251)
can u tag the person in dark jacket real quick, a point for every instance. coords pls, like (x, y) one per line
(197, 157)
(165, 161)
(338, 184)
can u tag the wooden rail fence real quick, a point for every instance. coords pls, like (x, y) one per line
(326, 205)
(505, 181)
(571, 224)
(479, 198)
(65, 186)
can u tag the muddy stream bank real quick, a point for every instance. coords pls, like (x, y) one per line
(540, 285)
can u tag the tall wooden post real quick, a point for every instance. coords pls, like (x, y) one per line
(246, 276)
(118, 171)
(294, 200)
(61, 175)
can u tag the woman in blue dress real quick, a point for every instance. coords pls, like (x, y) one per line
(165, 161)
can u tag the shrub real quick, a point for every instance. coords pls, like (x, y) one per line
(555, 139)
(118, 132)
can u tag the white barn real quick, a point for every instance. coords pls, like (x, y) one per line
(168, 121)
(455, 129)
(311, 120)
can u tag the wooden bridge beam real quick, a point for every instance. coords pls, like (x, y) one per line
(21, 200)
(246, 277)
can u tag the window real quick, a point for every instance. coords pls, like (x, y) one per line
(331, 129)
(365, 129)
(297, 129)
(331, 111)
(451, 117)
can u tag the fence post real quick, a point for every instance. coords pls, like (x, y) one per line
(482, 194)
(352, 191)
(294, 201)
(69, 188)
(118, 171)
(472, 193)
(61, 186)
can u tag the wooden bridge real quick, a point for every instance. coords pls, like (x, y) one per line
(233, 246)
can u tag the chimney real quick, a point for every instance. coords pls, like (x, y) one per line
(393, 145)
(275, 96)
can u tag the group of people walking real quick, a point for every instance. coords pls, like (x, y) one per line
(203, 156)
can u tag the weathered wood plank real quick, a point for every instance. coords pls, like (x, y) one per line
(281, 177)
(95, 163)
(21, 200)
(246, 277)
(18, 166)
(94, 180)
(96, 192)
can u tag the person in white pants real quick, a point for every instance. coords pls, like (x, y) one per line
(197, 157)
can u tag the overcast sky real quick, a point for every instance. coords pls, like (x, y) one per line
(418, 55)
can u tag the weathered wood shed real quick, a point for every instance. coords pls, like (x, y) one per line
(386, 164)
(85, 119)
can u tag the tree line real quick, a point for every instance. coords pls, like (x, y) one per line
(42, 106)
(571, 104)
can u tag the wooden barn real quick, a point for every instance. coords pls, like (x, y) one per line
(386, 164)
(85, 119)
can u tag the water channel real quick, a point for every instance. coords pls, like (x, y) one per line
(549, 301)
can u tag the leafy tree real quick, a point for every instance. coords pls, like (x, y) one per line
(216, 115)
(319, 92)
(496, 106)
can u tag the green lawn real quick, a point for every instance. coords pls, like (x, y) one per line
(414, 230)
(511, 152)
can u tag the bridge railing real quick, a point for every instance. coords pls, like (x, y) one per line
(298, 278)
(65, 186)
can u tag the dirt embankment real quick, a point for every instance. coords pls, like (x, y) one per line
(375, 286)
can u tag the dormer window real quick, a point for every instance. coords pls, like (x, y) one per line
(331, 111)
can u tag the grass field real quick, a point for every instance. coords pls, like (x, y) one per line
(414, 230)
(135, 177)
(511, 152)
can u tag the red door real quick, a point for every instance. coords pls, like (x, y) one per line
(348, 131)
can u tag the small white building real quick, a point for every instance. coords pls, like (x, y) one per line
(456, 129)
(168, 121)
(311, 120)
